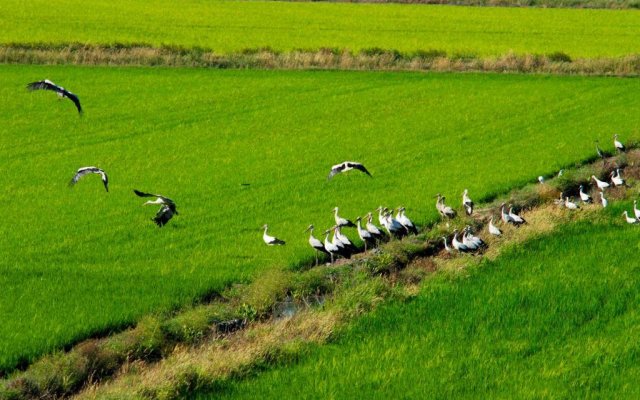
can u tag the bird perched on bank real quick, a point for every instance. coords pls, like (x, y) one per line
(636, 212)
(471, 241)
(584, 196)
(62, 92)
(467, 203)
(166, 211)
(329, 246)
(616, 179)
(90, 170)
(372, 228)
(517, 220)
(618, 144)
(446, 246)
(342, 221)
(569, 204)
(461, 247)
(629, 219)
(346, 166)
(405, 221)
(364, 234)
(444, 209)
(393, 226)
(315, 243)
(342, 248)
(601, 184)
(603, 201)
(494, 230)
(271, 240)
(599, 151)
(344, 240)
(541, 179)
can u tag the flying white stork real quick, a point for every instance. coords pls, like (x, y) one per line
(90, 170)
(584, 196)
(62, 92)
(315, 243)
(467, 203)
(271, 240)
(341, 221)
(601, 184)
(618, 144)
(347, 166)
(167, 209)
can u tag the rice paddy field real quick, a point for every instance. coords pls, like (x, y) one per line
(82, 261)
(562, 324)
(234, 26)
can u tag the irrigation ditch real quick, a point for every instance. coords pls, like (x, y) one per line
(274, 319)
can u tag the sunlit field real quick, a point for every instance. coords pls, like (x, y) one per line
(233, 26)
(80, 261)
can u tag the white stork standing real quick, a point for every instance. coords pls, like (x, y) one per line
(315, 243)
(364, 234)
(347, 166)
(636, 212)
(603, 200)
(457, 244)
(271, 240)
(506, 218)
(494, 230)
(601, 185)
(569, 204)
(618, 144)
(599, 151)
(444, 209)
(584, 196)
(616, 179)
(541, 179)
(341, 221)
(629, 219)
(90, 170)
(394, 227)
(446, 246)
(345, 240)
(62, 92)
(517, 220)
(329, 246)
(372, 229)
(405, 221)
(342, 249)
(167, 209)
(467, 203)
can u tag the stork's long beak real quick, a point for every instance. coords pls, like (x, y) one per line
(308, 229)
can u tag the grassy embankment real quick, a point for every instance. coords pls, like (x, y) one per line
(555, 318)
(105, 264)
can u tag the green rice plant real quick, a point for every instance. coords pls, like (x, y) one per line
(235, 150)
(234, 26)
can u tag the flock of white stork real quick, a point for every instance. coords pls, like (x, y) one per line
(400, 225)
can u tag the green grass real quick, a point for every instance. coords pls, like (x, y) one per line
(232, 26)
(80, 261)
(555, 318)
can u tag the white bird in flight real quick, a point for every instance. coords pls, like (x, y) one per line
(62, 92)
(90, 170)
(347, 166)
(166, 211)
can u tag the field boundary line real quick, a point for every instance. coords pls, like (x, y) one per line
(371, 59)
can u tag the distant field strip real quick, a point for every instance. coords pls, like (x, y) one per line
(233, 26)
(81, 261)
(555, 318)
